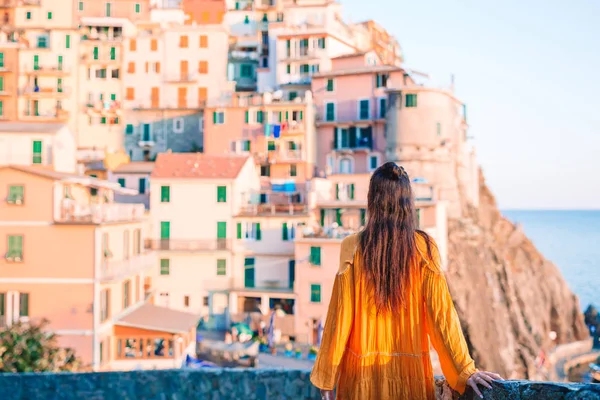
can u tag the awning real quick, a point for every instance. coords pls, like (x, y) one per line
(160, 319)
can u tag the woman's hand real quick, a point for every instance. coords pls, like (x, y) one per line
(482, 378)
(327, 395)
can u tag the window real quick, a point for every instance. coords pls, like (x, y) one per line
(153, 45)
(121, 182)
(130, 94)
(1, 60)
(265, 170)
(37, 152)
(438, 127)
(373, 162)
(246, 20)
(330, 85)
(15, 247)
(165, 194)
(259, 117)
(114, 73)
(329, 111)
(205, 301)
(293, 170)
(411, 100)
(96, 54)
(186, 301)
(101, 74)
(418, 218)
(271, 145)
(68, 41)
(81, 6)
(203, 67)
(142, 185)
(165, 266)
(381, 80)
(178, 125)
(288, 69)
(129, 129)
(203, 41)
(104, 305)
(315, 293)
(221, 194)
(113, 53)
(138, 8)
(315, 255)
(1, 108)
(321, 43)
(221, 267)
(126, 294)
(137, 241)
(382, 107)
(288, 231)
(108, 9)
(28, 15)
(183, 42)
(2, 306)
(246, 71)
(101, 351)
(113, 97)
(49, 14)
(292, 96)
(146, 133)
(249, 272)
(132, 45)
(219, 117)
(249, 231)
(363, 110)
(15, 194)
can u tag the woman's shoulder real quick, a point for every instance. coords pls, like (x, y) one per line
(347, 251)
(428, 251)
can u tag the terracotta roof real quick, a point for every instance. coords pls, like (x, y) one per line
(357, 54)
(30, 127)
(160, 319)
(367, 69)
(135, 167)
(45, 172)
(197, 165)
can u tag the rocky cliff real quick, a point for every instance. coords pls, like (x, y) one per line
(508, 296)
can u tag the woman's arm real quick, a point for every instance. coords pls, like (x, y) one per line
(338, 325)
(443, 326)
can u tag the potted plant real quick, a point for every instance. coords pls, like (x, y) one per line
(288, 350)
(298, 353)
(312, 353)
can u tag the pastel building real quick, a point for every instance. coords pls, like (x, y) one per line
(171, 71)
(71, 255)
(135, 176)
(49, 145)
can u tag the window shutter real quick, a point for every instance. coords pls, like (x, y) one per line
(352, 191)
(322, 217)
(258, 233)
(284, 231)
(247, 116)
(239, 230)
(214, 117)
(336, 144)
(337, 191)
(352, 137)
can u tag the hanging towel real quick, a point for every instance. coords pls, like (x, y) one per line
(267, 130)
(276, 131)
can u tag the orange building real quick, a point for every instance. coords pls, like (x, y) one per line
(70, 254)
(204, 12)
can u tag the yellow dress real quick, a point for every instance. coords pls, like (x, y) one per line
(386, 356)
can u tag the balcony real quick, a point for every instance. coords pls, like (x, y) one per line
(49, 70)
(181, 78)
(116, 270)
(282, 156)
(48, 116)
(8, 3)
(353, 139)
(304, 53)
(44, 91)
(30, 2)
(71, 212)
(105, 108)
(101, 57)
(273, 209)
(423, 192)
(90, 155)
(296, 79)
(188, 245)
(327, 232)
(352, 112)
(243, 55)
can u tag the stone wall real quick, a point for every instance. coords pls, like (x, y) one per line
(223, 384)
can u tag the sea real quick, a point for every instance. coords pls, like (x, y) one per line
(570, 239)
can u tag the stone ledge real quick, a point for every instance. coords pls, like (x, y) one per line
(223, 384)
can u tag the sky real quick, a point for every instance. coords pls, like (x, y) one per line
(529, 72)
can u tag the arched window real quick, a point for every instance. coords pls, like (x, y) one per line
(346, 165)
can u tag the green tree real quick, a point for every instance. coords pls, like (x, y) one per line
(29, 347)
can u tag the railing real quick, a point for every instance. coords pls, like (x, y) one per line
(304, 52)
(274, 209)
(328, 232)
(351, 111)
(285, 155)
(188, 244)
(112, 106)
(72, 212)
(423, 192)
(297, 79)
(90, 155)
(44, 90)
(41, 69)
(181, 77)
(239, 54)
(59, 114)
(112, 270)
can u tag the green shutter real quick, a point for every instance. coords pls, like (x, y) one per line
(330, 85)
(95, 53)
(37, 152)
(259, 116)
(301, 115)
(214, 117)
(113, 53)
(142, 185)
(138, 8)
(284, 232)
(121, 182)
(15, 193)
(315, 255)
(49, 14)
(249, 272)
(338, 216)
(411, 100)
(221, 267)
(247, 116)
(165, 230)
(221, 230)
(15, 246)
(337, 191)
(418, 218)
(315, 293)
(239, 230)
(36, 62)
(165, 194)
(363, 217)
(351, 193)
(2, 305)
(23, 304)
(322, 217)
(221, 194)
(81, 6)
(271, 145)
(1, 108)
(293, 170)
(1, 60)
(165, 266)
(128, 129)
(258, 232)
(382, 106)
(108, 9)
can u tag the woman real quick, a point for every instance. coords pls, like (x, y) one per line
(389, 300)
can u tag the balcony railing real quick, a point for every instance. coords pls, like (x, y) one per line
(297, 79)
(188, 244)
(243, 55)
(73, 212)
(59, 115)
(274, 209)
(181, 78)
(113, 270)
(352, 111)
(43, 91)
(47, 69)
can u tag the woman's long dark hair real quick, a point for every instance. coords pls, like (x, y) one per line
(388, 242)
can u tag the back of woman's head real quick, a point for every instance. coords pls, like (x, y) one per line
(388, 243)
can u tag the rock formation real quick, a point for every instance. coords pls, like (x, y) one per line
(508, 296)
